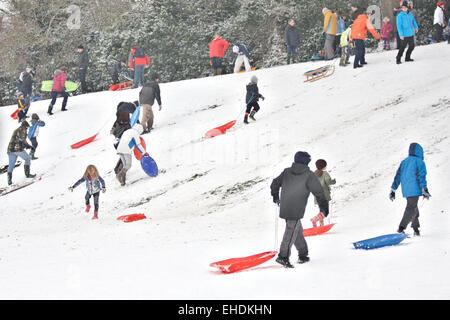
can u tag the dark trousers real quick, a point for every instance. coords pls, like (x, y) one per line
(293, 235)
(252, 105)
(217, 64)
(438, 31)
(64, 94)
(82, 75)
(411, 213)
(407, 42)
(115, 78)
(96, 196)
(360, 51)
(34, 143)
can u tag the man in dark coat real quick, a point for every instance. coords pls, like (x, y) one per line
(25, 84)
(83, 61)
(296, 184)
(16, 148)
(147, 96)
(117, 69)
(291, 36)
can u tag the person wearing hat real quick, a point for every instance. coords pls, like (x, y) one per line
(241, 56)
(59, 89)
(83, 61)
(439, 21)
(16, 148)
(33, 132)
(407, 28)
(150, 91)
(22, 106)
(252, 99)
(25, 84)
(296, 184)
(325, 181)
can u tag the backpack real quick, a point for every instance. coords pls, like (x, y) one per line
(244, 49)
(139, 52)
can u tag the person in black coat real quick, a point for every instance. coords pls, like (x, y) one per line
(252, 99)
(117, 69)
(150, 91)
(25, 84)
(296, 184)
(291, 36)
(83, 61)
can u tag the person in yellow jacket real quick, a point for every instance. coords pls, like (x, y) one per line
(346, 44)
(329, 31)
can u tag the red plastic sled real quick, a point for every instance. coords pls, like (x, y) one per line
(239, 264)
(84, 142)
(132, 217)
(119, 86)
(220, 130)
(318, 230)
(14, 114)
(138, 155)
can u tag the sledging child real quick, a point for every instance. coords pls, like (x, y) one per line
(33, 132)
(23, 107)
(346, 44)
(386, 33)
(94, 184)
(251, 99)
(325, 181)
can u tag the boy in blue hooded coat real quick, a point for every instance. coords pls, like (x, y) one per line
(412, 176)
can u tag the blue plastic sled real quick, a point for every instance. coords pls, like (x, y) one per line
(382, 241)
(135, 116)
(149, 166)
(36, 99)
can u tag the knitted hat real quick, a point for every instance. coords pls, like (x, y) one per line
(405, 4)
(302, 157)
(25, 124)
(320, 164)
(254, 79)
(35, 116)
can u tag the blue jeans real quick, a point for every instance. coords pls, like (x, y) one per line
(291, 50)
(12, 156)
(139, 75)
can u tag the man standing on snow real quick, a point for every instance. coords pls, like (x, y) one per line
(439, 21)
(25, 84)
(407, 28)
(138, 61)
(411, 175)
(83, 61)
(329, 31)
(291, 36)
(296, 184)
(217, 49)
(361, 25)
(147, 96)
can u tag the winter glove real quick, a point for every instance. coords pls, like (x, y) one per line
(392, 195)
(276, 201)
(160, 107)
(426, 194)
(263, 98)
(103, 190)
(71, 189)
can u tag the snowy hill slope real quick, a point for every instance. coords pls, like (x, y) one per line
(212, 199)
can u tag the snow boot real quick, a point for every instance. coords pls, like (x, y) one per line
(9, 178)
(88, 207)
(284, 262)
(95, 217)
(121, 177)
(416, 232)
(246, 118)
(50, 108)
(32, 156)
(252, 115)
(401, 230)
(27, 172)
(399, 61)
(303, 259)
(64, 107)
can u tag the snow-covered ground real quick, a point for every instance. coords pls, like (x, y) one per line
(212, 200)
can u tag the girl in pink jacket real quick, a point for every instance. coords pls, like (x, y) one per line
(59, 88)
(386, 33)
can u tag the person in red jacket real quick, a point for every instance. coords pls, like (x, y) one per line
(59, 88)
(217, 49)
(138, 61)
(361, 25)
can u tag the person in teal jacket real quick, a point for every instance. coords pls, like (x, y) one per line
(406, 27)
(411, 175)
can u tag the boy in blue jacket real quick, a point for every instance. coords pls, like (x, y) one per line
(412, 176)
(406, 27)
(33, 132)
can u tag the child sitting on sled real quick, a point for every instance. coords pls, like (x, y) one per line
(94, 184)
(325, 181)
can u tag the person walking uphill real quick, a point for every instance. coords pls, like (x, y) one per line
(361, 25)
(291, 36)
(33, 132)
(16, 148)
(325, 181)
(406, 27)
(94, 184)
(138, 61)
(411, 175)
(251, 99)
(83, 62)
(59, 88)
(147, 96)
(217, 49)
(329, 30)
(296, 184)
(25, 84)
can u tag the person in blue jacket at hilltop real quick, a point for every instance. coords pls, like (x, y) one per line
(411, 175)
(407, 28)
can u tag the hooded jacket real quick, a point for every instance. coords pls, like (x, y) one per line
(360, 27)
(59, 81)
(150, 91)
(18, 141)
(296, 183)
(406, 24)
(93, 186)
(130, 139)
(412, 173)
